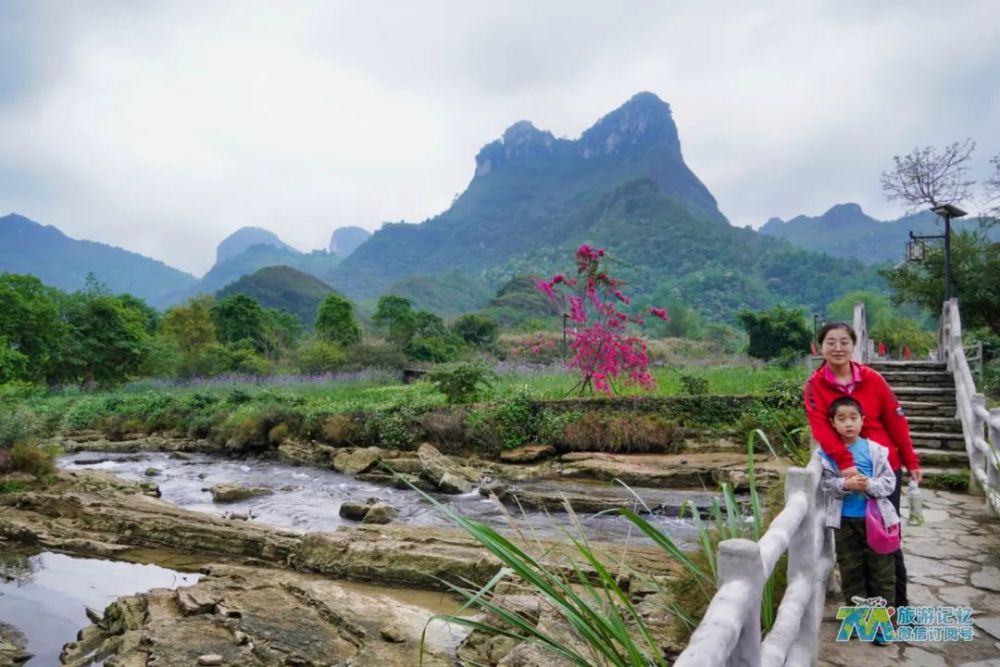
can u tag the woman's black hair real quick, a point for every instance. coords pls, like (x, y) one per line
(830, 326)
(841, 402)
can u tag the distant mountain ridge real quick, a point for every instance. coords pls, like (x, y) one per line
(847, 231)
(283, 287)
(245, 238)
(532, 190)
(60, 261)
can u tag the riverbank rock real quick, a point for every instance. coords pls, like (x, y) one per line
(231, 493)
(283, 618)
(441, 471)
(527, 453)
(672, 471)
(380, 513)
(356, 461)
(12, 646)
(152, 472)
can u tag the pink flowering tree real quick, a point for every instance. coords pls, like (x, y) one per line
(605, 354)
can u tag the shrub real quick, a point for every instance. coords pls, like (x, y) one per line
(694, 385)
(643, 433)
(339, 430)
(394, 429)
(33, 460)
(374, 355)
(19, 424)
(278, 434)
(445, 428)
(462, 383)
(587, 434)
(509, 424)
(320, 356)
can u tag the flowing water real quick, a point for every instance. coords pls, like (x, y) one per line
(44, 594)
(308, 499)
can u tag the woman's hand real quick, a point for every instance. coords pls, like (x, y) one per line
(916, 474)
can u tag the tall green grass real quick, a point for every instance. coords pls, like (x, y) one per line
(606, 625)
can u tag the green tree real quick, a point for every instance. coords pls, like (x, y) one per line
(336, 323)
(477, 330)
(877, 308)
(319, 356)
(394, 316)
(975, 272)
(775, 331)
(190, 326)
(240, 318)
(108, 342)
(282, 332)
(901, 332)
(31, 330)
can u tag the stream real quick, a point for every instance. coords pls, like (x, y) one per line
(308, 499)
(44, 594)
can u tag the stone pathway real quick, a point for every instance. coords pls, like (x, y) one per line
(953, 560)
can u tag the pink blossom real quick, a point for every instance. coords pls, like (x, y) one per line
(621, 297)
(558, 278)
(576, 309)
(660, 312)
(546, 287)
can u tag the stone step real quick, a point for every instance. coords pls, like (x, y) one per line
(927, 409)
(936, 424)
(955, 441)
(933, 394)
(941, 458)
(919, 379)
(881, 366)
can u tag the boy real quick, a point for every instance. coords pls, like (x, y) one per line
(863, 573)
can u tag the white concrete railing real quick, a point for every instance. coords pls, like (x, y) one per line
(980, 426)
(730, 632)
(864, 348)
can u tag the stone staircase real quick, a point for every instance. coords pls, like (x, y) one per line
(926, 390)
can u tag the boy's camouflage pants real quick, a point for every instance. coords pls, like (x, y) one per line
(863, 573)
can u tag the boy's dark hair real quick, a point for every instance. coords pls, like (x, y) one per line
(830, 326)
(841, 402)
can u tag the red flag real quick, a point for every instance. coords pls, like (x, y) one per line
(812, 348)
(906, 353)
(881, 349)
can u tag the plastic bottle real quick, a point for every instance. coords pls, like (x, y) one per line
(916, 504)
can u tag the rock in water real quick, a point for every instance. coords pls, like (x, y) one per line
(152, 472)
(381, 513)
(210, 659)
(231, 493)
(354, 511)
(441, 471)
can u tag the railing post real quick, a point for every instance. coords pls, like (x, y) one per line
(739, 560)
(976, 459)
(992, 474)
(803, 559)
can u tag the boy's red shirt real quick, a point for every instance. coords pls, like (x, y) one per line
(884, 421)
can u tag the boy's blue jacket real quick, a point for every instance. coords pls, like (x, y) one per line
(881, 485)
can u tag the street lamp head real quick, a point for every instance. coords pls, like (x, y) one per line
(915, 251)
(949, 211)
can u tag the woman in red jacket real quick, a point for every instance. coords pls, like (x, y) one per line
(884, 422)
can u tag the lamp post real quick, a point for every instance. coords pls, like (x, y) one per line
(915, 247)
(815, 325)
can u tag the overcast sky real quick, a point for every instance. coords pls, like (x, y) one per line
(162, 127)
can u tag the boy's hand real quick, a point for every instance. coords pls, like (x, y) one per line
(850, 472)
(857, 483)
